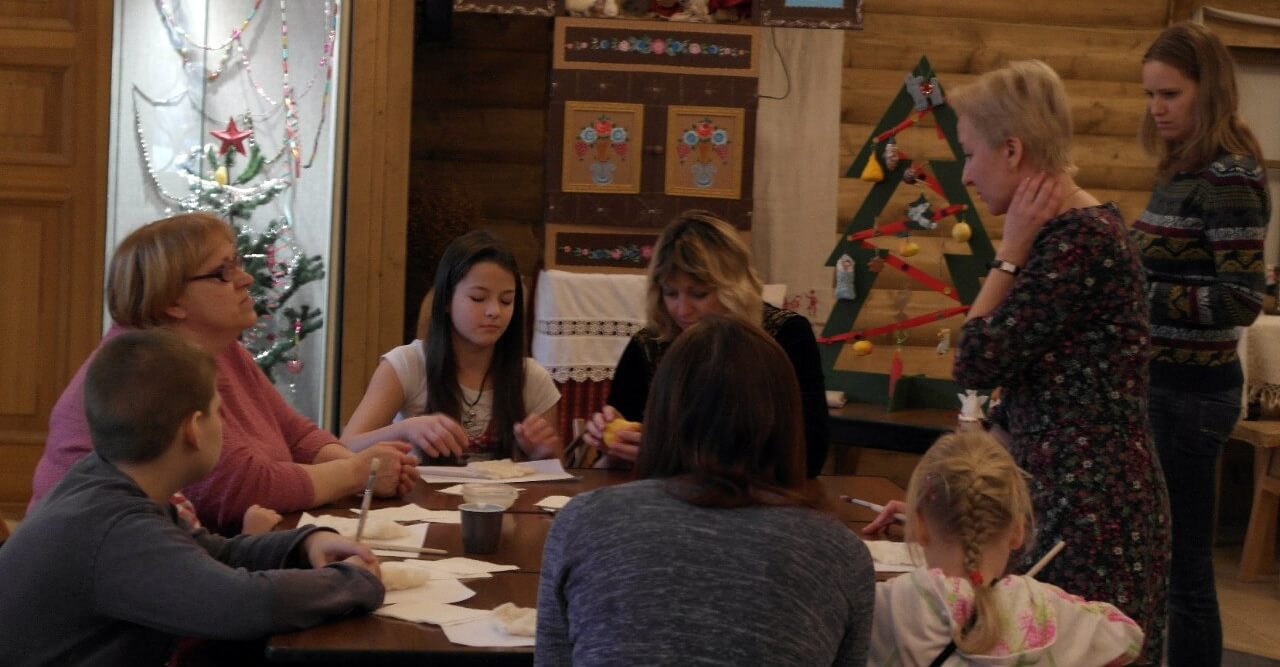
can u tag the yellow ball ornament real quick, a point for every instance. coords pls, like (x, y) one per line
(961, 232)
(862, 348)
(908, 248)
(220, 176)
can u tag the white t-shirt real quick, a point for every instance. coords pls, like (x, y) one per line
(410, 364)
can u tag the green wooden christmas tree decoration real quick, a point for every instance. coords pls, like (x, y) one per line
(944, 204)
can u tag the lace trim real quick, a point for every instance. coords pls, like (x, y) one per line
(620, 328)
(581, 373)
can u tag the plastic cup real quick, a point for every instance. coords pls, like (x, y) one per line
(492, 494)
(481, 527)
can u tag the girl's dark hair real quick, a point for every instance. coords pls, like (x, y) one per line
(724, 416)
(506, 369)
(1201, 56)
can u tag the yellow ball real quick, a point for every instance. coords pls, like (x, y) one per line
(618, 424)
(961, 232)
(908, 248)
(862, 348)
(220, 175)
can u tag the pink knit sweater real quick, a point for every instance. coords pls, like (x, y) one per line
(263, 440)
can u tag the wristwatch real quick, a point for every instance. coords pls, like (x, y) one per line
(1004, 265)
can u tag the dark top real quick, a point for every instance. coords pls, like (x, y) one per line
(1200, 241)
(99, 574)
(632, 575)
(629, 390)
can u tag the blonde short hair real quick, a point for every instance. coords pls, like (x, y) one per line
(709, 251)
(1024, 99)
(150, 267)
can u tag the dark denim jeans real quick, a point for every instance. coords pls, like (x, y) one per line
(1190, 429)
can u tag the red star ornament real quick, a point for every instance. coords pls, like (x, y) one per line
(232, 137)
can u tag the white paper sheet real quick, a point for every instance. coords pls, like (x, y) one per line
(463, 566)
(456, 490)
(431, 612)
(439, 591)
(553, 503)
(895, 556)
(483, 632)
(347, 528)
(413, 512)
(544, 471)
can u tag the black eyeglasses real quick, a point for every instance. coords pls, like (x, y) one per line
(226, 273)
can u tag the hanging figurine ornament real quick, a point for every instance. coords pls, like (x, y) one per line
(911, 176)
(844, 279)
(924, 94)
(971, 406)
(875, 264)
(944, 341)
(891, 154)
(920, 213)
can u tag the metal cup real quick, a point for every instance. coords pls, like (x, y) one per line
(481, 527)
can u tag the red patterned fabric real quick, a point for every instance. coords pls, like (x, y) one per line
(578, 400)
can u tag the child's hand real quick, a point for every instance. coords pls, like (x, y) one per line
(537, 438)
(259, 520)
(374, 567)
(324, 547)
(396, 473)
(437, 435)
(886, 518)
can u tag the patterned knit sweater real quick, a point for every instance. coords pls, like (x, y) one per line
(1200, 241)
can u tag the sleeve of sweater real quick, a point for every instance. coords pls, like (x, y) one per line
(553, 646)
(861, 592)
(629, 390)
(1233, 204)
(303, 437)
(149, 572)
(796, 339)
(1045, 299)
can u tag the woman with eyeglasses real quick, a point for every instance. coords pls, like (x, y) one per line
(183, 274)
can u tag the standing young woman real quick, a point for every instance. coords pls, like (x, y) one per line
(1200, 241)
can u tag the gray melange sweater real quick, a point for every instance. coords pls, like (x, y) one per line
(99, 574)
(631, 575)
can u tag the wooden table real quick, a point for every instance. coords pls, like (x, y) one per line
(867, 425)
(378, 640)
(1259, 554)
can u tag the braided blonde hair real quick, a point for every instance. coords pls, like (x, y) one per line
(969, 490)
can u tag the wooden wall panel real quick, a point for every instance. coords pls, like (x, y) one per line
(55, 75)
(377, 192)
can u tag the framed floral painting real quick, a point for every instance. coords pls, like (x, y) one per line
(601, 147)
(704, 151)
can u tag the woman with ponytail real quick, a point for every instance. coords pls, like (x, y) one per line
(968, 508)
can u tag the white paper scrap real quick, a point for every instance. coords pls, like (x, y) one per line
(347, 528)
(462, 566)
(431, 612)
(553, 503)
(456, 490)
(544, 471)
(895, 556)
(482, 632)
(413, 512)
(440, 591)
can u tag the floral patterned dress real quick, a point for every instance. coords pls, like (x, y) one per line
(1070, 345)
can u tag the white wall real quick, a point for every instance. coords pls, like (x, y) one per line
(145, 57)
(1259, 102)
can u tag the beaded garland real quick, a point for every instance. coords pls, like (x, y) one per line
(646, 44)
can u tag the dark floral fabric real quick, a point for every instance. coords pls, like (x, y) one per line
(1070, 345)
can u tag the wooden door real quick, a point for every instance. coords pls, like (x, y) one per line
(55, 72)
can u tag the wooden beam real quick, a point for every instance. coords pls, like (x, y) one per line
(1082, 13)
(377, 195)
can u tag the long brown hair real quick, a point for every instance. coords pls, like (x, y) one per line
(1202, 57)
(506, 375)
(969, 490)
(724, 416)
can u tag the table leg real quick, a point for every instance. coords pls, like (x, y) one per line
(1259, 555)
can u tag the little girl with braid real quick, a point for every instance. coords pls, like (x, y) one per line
(968, 508)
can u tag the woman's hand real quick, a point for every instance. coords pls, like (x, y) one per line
(437, 435)
(323, 547)
(886, 518)
(396, 472)
(537, 437)
(1035, 202)
(626, 441)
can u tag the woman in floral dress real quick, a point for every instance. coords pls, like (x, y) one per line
(1061, 326)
